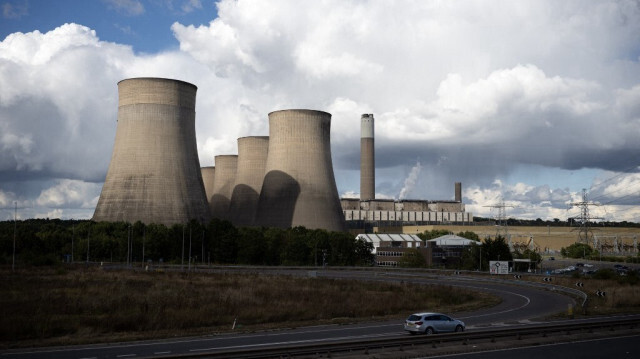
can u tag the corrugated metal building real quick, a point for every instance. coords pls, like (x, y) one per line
(390, 248)
(447, 250)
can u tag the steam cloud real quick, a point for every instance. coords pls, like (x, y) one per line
(410, 181)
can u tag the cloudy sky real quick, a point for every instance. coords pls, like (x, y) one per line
(525, 102)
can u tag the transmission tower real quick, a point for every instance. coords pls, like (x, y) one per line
(585, 231)
(501, 219)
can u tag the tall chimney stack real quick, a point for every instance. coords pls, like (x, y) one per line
(367, 159)
(458, 192)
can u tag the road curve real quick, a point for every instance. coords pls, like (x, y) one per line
(520, 304)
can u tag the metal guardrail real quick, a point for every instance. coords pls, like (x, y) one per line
(366, 344)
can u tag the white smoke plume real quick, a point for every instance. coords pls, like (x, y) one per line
(410, 181)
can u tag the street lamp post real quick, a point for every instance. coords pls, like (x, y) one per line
(73, 235)
(88, 243)
(128, 243)
(182, 263)
(144, 232)
(189, 248)
(15, 228)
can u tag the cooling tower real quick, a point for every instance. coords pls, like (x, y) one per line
(458, 189)
(154, 175)
(208, 175)
(367, 159)
(252, 160)
(299, 187)
(223, 183)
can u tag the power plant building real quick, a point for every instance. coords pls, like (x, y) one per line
(252, 161)
(154, 174)
(299, 187)
(283, 180)
(367, 212)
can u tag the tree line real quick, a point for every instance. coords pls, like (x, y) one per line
(556, 222)
(51, 241)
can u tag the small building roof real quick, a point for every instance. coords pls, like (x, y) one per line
(452, 240)
(376, 238)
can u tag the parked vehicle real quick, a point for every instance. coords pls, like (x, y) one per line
(431, 323)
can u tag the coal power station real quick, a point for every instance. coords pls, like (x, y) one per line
(368, 214)
(282, 180)
(154, 174)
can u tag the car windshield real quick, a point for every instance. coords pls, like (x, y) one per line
(413, 317)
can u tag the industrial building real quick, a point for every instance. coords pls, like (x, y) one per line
(283, 180)
(154, 174)
(363, 214)
(390, 249)
(447, 250)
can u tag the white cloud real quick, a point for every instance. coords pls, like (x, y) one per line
(467, 89)
(191, 5)
(15, 9)
(126, 7)
(70, 193)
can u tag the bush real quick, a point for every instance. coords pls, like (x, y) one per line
(604, 273)
(577, 250)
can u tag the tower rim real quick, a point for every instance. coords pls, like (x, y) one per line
(166, 79)
(300, 110)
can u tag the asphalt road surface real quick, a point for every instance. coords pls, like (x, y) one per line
(618, 348)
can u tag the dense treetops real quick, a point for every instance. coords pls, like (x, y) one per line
(41, 242)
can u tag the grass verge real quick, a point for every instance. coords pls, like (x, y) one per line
(42, 307)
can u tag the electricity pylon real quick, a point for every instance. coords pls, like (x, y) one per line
(585, 231)
(501, 220)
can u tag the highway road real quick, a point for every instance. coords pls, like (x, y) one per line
(618, 348)
(520, 305)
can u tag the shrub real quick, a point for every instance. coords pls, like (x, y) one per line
(604, 273)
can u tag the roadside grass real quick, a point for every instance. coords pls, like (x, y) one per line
(42, 307)
(622, 293)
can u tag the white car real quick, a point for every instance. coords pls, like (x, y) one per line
(430, 323)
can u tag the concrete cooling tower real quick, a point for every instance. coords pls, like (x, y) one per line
(299, 187)
(367, 159)
(223, 183)
(252, 160)
(154, 175)
(208, 175)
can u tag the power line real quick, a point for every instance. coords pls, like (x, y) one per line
(501, 218)
(622, 173)
(585, 225)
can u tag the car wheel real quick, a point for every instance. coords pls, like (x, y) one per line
(459, 328)
(428, 331)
